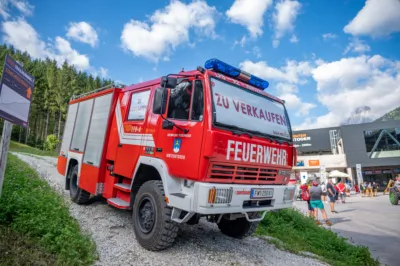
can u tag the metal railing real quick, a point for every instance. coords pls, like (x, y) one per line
(75, 97)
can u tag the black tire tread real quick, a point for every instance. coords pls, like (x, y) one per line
(169, 229)
(82, 196)
(239, 228)
(396, 198)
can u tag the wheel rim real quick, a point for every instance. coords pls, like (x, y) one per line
(146, 215)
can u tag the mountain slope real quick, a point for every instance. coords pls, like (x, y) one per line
(392, 115)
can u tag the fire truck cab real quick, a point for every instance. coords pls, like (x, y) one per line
(203, 143)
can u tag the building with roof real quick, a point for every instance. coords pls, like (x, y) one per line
(367, 152)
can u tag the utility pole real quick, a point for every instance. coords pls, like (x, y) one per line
(5, 144)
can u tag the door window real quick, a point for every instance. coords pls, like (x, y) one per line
(138, 107)
(186, 101)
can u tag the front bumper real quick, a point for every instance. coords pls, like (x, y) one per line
(233, 198)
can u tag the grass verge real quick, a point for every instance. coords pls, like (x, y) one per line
(298, 233)
(31, 212)
(22, 148)
(17, 249)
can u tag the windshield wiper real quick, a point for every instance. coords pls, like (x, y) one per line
(277, 139)
(240, 131)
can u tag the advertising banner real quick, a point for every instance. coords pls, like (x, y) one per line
(303, 177)
(322, 174)
(313, 140)
(247, 110)
(359, 174)
(16, 89)
(313, 162)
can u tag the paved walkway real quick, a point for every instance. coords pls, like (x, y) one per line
(371, 222)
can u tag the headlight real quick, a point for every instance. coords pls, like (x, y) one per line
(220, 195)
(289, 194)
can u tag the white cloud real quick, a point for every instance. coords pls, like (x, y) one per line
(357, 46)
(376, 18)
(275, 43)
(83, 32)
(284, 17)
(285, 88)
(250, 14)
(353, 82)
(168, 28)
(23, 6)
(103, 72)
(294, 39)
(287, 78)
(24, 37)
(295, 104)
(328, 36)
(257, 51)
(292, 72)
(242, 42)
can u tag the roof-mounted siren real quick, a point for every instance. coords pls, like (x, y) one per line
(234, 72)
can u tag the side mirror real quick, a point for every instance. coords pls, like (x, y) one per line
(160, 101)
(168, 82)
(167, 125)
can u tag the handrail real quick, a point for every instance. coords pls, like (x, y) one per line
(74, 97)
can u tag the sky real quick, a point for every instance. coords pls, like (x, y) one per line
(324, 58)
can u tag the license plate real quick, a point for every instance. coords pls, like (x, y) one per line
(257, 193)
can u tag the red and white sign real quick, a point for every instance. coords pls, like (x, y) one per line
(253, 153)
(238, 107)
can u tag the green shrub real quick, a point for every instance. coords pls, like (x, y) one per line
(30, 207)
(51, 143)
(299, 233)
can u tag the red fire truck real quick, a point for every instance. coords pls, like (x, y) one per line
(203, 143)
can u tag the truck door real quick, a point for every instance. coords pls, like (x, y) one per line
(180, 150)
(131, 128)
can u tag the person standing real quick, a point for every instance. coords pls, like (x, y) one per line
(332, 195)
(324, 192)
(316, 203)
(375, 186)
(397, 183)
(365, 185)
(305, 195)
(342, 191)
(369, 188)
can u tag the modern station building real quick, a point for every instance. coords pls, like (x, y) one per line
(367, 152)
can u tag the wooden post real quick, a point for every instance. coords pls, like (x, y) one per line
(5, 144)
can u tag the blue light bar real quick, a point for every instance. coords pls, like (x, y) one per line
(235, 72)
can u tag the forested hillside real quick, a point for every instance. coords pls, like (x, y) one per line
(54, 86)
(392, 115)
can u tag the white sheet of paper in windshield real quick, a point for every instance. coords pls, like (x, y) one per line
(261, 193)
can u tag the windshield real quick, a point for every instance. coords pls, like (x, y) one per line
(239, 108)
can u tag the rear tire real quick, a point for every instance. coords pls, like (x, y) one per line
(394, 196)
(77, 194)
(239, 228)
(153, 227)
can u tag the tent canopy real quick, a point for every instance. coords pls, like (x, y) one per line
(336, 173)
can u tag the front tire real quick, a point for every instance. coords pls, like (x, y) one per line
(153, 227)
(239, 228)
(77, 194)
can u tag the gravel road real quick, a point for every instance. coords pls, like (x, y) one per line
(201, 244)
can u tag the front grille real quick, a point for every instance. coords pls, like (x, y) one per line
(228, 173)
